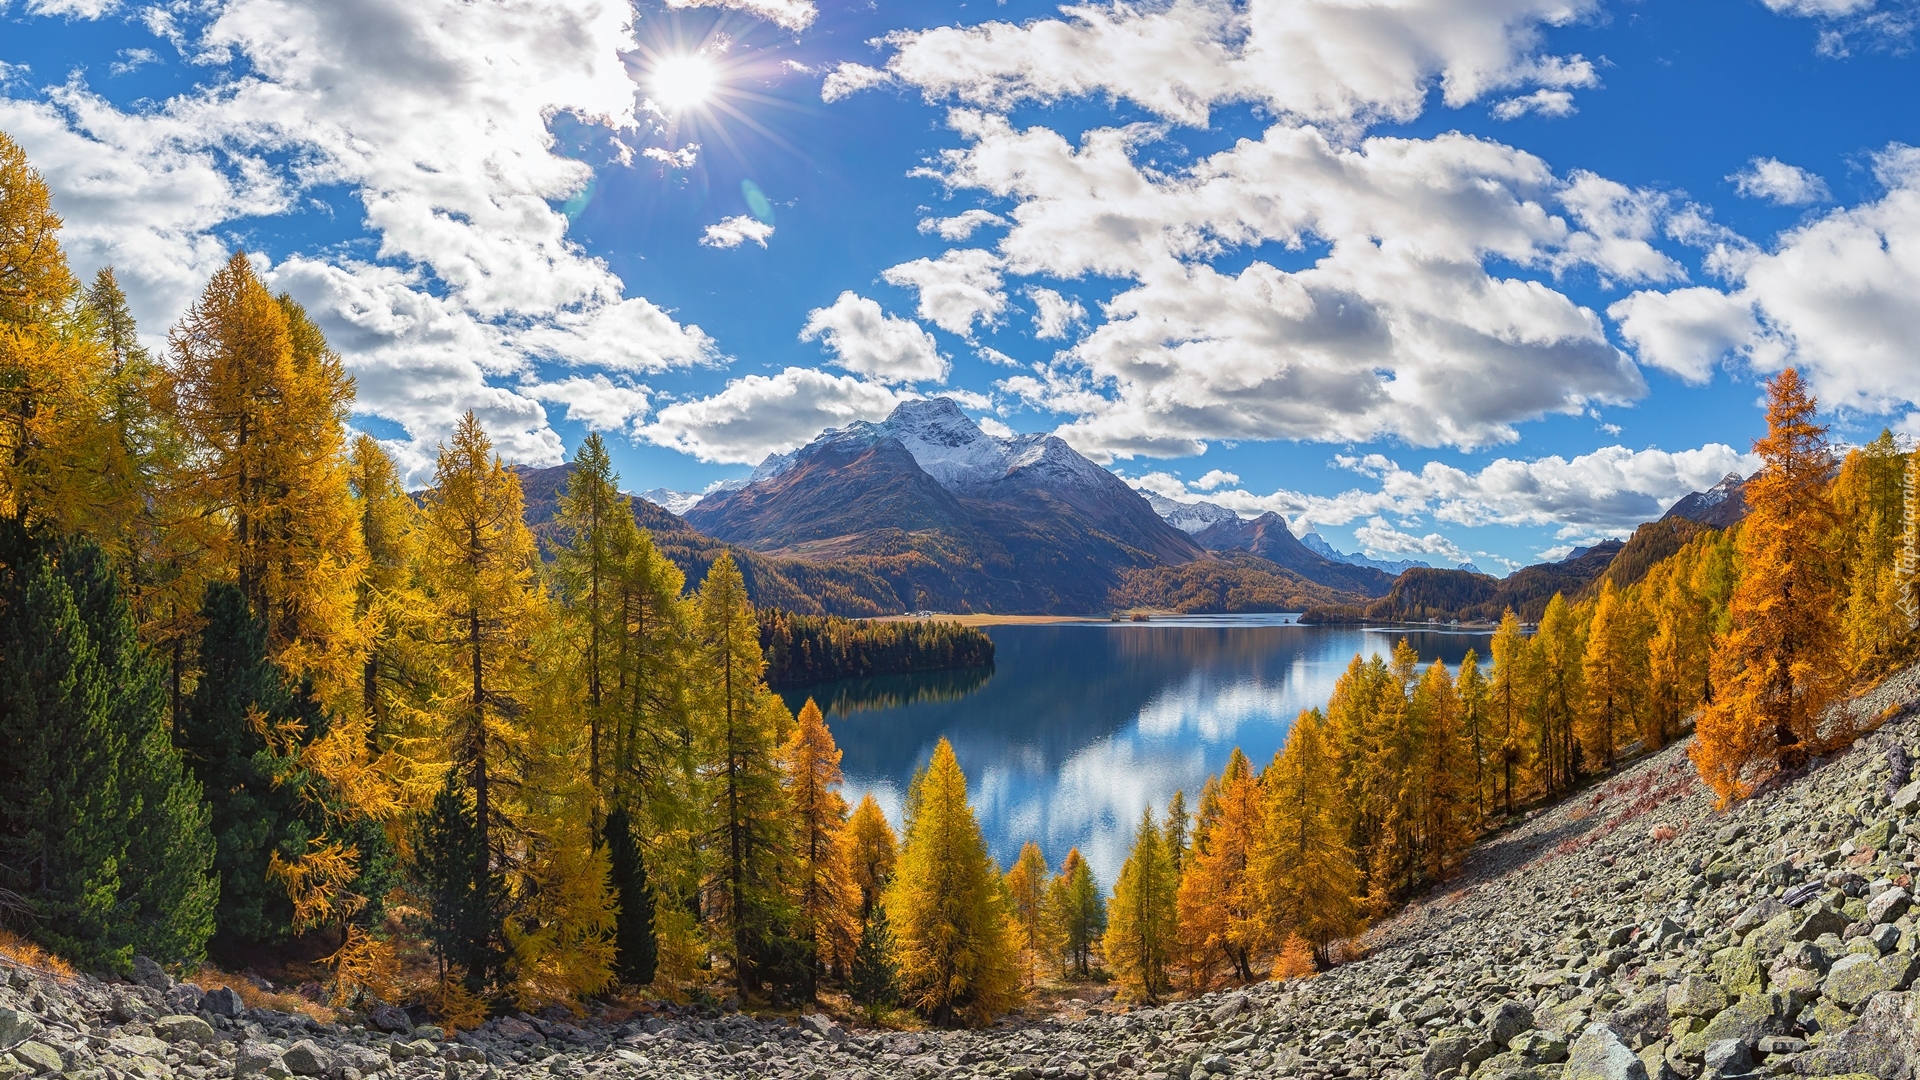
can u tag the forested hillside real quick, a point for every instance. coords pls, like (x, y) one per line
(805, 649)
(1227, 582)
(1424, 593)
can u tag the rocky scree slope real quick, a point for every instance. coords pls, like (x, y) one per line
(1631, 933)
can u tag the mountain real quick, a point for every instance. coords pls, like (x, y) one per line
(974, 522)
(1317, 544)
(1189, 517)
(1268, 537)
(1721, 506)
(1426, 593)
(673, 502)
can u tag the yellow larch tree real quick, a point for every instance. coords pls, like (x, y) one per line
(1308, 886)
(1508, 693)
(1616, 676)
(1218, 909)
(1027, 884)
(872, 849)
(953, 937)
(1139, 943)
(1559, 696)
(825, 897)
(1781, 663)
(1077, 914)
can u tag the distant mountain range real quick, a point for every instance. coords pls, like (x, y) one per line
(924, 510)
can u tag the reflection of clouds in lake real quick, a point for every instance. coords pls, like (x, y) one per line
(1096, 801)
(1213, 709)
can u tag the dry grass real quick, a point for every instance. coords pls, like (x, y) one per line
(18, 950)
(209, 977)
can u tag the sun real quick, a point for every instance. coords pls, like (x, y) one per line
(682, 82)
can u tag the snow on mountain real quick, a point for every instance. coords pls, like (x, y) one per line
(673, 502)
(953, 450)
(1318, 544)
(1189, 517)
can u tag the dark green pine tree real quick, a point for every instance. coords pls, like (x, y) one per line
(873, 980)
(464, 894)
(255, 792)
(636, 950)
(101, 832)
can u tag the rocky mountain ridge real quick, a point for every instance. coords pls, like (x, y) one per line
(1630, 932)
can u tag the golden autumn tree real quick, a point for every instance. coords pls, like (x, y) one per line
(947, 905)
(1140, 940)
(387, 598)
(1781, 663)
(1616, 676)
(483, 610)
(872, 850)
(1218, 909)
(1475, 715)
(263, 400)
(1559, 695)
(1077, 913)
(1508, 693)
(1308, 885)
(1442, 759)
(1027, 883)
(740, 727)
(825, 896)
(1677, 652)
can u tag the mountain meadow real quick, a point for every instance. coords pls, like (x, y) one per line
(506, 746)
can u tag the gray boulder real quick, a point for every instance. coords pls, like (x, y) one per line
(390, 1019)
(184, 998)
(1728, 1057)
(223, 1001)
(183, 1028)
(17, 1027)
(1884, 1042)
(1695, 995)
(308, 1058)
(1598, 1054)
(150, 974)
(1509, 1019)
(1889, 905)
(1443, 1056)
(260, 1059)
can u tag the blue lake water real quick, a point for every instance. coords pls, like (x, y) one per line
(1080, 725)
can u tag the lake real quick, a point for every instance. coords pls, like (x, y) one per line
(1077, 726)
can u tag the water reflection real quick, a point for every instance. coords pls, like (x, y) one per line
(1080, 726)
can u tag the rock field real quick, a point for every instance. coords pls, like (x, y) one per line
(1630, 933)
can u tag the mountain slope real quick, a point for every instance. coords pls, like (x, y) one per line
(1425, 593)
(1023, 524)
(1723, 505)
(1268, 537)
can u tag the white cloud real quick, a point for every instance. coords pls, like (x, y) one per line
(868, 341)
(1320, 60)
(961, 225)
(1214, 478)
(1381, 540)
(1164, 484)
(73, 9)
(961, 287)
(1554, 103)
(1779, 183)
(1054, 314)
(760, 415)
(596, 401)
(132, 60)
(1399, 330)
(793, 15)
(1606, 492)
(683, 158)
(734, 231)
(434, 115)
(994, 356)
(850, 79)
(1835, 297)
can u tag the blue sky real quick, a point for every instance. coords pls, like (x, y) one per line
(1446, 279)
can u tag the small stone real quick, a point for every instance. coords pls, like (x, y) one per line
(390, 1019)
(1227, 1011)
(1781, 1044)
(39, 1057)
(184, 998)
(148, 973)
(1820, 921)
(17, 1027)
(1598, 1054)
(1443, 1056)
(184, 1029)
(823, 1026)
(307, 1058)
(260, 1059)
(144, 1046)
(1695, 995)
(1907, 797)
(1509, 1019)
(223, 1001)
(1728, 1057)
(429, 1031)
(1889, 905)
(1855, 978)
(1539, 1046)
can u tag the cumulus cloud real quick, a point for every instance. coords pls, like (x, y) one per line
(1554, 103)
(1607, 492)
(434, 115)
(683, 158)
(961, 225)
(795, 15)
(1381, 540)
(596, 401)
(1779, 183)
(759, 414)
(1214, 478)
(1399, 330)
(1318, 60)
(75, 9)
(1054, 314)
(1834, 297)
(866, 340)
(960, 288)
(734, 231)
(132, 60)
(849, 79)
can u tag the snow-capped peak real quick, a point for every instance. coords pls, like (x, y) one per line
(1189, 517)
(673, 502)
